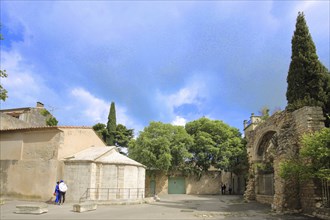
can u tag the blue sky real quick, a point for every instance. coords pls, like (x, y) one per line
(168, 61)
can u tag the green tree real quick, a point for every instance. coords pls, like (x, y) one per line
(3, 74)
(162, 147)
(313, 159)
(308, 79)
(215, 143)
(123, 136)
(50, 119)
(101, 131)
(111, 125)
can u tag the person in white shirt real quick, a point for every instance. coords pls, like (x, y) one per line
(63, 188)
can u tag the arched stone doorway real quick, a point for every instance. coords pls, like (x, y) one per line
(265, 153)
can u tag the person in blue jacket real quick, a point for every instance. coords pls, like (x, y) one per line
(57, 194)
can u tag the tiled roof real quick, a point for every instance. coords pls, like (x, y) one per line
(105, 155)
(90, 154)
(44, 128)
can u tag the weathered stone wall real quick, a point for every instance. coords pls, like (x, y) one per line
(104, 179)
(33, 117)
(29, 118)
(161, 183)
(31, 159)
(8, 122)
(308, 119)
(209, 183)
(76, 139)
(77, 176)
(286, 128)
(29, 179)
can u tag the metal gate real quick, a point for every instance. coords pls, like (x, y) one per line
(326, 193)
(176, 185)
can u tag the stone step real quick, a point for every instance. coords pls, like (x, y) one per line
(84, 207)
(31, 209)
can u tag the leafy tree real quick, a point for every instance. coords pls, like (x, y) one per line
(215, 143)
(50, 119)
(162, 147)
(122, 137)
(313, 159)
(111, 125)
(308, 79)
(3, 74)
(101, 131)
(3, 91)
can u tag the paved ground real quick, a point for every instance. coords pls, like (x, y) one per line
(170, 207)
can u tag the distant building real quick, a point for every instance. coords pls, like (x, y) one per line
(23, 117)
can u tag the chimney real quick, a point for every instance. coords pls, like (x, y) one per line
(40, 105)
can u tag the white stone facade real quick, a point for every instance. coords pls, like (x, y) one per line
(102, 173)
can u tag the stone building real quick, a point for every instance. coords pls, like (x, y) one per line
(23, 117)
(34, 156)
(31, 158)
(272, 141)
(102, 173)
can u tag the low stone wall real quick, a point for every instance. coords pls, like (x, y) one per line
(209, 183)
(265, 199)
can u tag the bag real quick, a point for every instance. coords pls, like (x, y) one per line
(63, 187)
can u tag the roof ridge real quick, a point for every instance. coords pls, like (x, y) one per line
(45, 127)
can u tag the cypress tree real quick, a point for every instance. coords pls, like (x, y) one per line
(111, 125)
(308, 79)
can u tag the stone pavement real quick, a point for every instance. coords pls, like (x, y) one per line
(169, 207)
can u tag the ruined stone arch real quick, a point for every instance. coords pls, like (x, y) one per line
(265, 152)
(267, 141)
(264, 141)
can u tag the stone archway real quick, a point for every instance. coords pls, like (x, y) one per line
(265, 153)
(271, 142)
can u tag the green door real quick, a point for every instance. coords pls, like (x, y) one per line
(153, 187)
(176, 185)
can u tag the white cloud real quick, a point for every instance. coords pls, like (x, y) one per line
(23, 86)
(317, 16)
(192, 94)
(183, 96)
(179, 121)
(95, 110)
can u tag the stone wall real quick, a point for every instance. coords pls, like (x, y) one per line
(29, 118)
(33, 117)
(160, 180)
(209, 183)
(30, 179)
(101, 181)
(31, 159)
(284, 130)
(8, 122)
